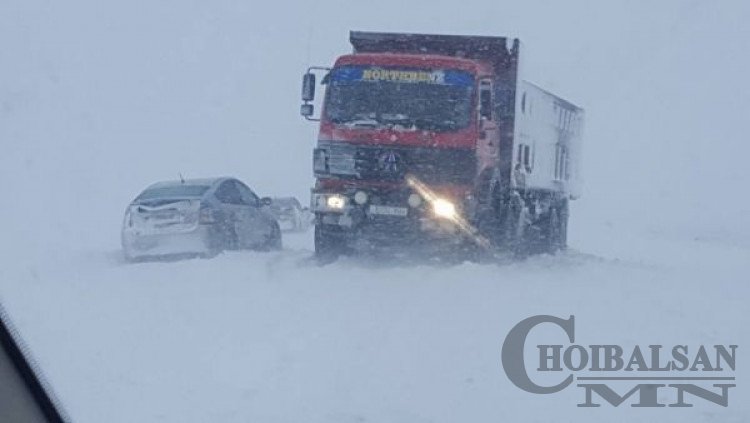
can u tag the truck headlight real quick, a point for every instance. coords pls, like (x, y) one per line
(336, 202)
(444, 208)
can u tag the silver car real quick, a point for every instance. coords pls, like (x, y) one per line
(197, 217)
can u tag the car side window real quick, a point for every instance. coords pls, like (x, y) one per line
(248, 196)
(228, 193)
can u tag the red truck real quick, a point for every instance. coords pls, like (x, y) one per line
(435, 142)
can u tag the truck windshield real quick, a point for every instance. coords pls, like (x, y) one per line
(406, 99)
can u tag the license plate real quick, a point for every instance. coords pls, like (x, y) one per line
(389, 210)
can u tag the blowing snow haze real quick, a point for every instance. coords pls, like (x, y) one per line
(100, 99)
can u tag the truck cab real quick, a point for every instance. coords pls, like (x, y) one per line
(416, 143)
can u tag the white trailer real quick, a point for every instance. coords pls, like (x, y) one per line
(547, 141)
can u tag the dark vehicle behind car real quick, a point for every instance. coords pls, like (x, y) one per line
(290, 214)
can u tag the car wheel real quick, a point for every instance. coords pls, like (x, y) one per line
(231, 241)
(273, 242)
(223, 237)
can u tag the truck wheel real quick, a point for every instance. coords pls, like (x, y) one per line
(518, 232)
(470, 251)
(329, 243)
(554, 238)
(490, 218)
(564, 214)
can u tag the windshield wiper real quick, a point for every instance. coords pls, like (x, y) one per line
(434, 124)
(359, 119)
(391, 120)
(372, 123)
(394, 118)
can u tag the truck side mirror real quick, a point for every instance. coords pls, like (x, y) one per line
(306, 110)
(308, 87)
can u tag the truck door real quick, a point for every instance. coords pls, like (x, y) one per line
(489, 133)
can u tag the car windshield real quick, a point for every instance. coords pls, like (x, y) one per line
(174, 191)
(417, 99)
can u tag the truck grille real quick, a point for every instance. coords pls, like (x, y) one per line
(385, 163)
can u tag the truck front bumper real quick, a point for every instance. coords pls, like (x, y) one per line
(384, 218)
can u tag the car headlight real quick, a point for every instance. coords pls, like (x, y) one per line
(444, 208)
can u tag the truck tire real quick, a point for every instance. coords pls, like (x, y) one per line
(564, 215)
(516, 228)
(557, 228)
(329, 243)
(490, 215)
(553, 232)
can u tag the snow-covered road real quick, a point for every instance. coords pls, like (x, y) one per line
(251, 336)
